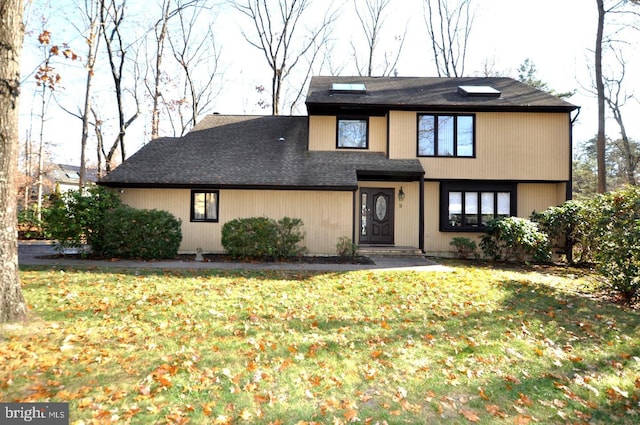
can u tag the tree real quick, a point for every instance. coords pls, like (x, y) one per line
(111, 19)
(449, 27)
(615, 99)
(197, 56)
(527, 74)
(372, 20)
(601, 135)
(12, 303)
(277, 29)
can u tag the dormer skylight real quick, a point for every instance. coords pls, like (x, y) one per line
(348, 88)
(478, 91)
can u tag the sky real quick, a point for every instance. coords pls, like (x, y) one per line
(556, 35)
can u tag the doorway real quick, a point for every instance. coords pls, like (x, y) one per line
(376, 215)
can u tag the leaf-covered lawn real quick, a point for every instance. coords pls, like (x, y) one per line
(477, 344)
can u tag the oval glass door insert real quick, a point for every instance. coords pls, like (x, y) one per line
(381, 208)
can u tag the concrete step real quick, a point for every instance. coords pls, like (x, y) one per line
(389, 251)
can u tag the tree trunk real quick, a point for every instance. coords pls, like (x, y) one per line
(12, 304)
(600, 138)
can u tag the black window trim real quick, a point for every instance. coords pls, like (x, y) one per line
(352, 118)
(455, 135)
(481, 186)
(192, 203)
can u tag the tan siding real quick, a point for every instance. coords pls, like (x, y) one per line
(324, 212)
(403, 132)
(531, 197)
(322, 133)
(378, 134)
(538, 197)
(509, 146)
(406, 213)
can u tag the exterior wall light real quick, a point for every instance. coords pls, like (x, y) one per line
(401, 194)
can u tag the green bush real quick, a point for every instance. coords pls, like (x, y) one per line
(614, 222)
(262, 237)
(463, 246)
(565, 226)
(346, 248)
(29, 226)
(515, 238)
(135, 233)
(74, 217)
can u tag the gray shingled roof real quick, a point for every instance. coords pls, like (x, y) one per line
(432, 94)
(245, 152)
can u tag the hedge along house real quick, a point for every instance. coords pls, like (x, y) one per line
(404, 162)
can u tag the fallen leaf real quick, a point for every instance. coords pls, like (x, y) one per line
(470, 415)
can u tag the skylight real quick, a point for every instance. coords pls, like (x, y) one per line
(348, 88)
(478, 91)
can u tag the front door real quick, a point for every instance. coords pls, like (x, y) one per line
(376, 215)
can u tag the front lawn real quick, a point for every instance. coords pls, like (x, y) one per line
(478, 344)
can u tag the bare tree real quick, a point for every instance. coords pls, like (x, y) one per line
(12, 303)
(111, 20)
(372, 20)
(197, 55)
(277, 26)
(449, 27)
(615, 98)
(91, 12)
(601, 135)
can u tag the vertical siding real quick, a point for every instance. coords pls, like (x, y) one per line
(323, 214)
(406, 213)
(510, 146)
(323, 133)
(531, 197)
(538, 197)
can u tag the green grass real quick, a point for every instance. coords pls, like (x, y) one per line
(478, 344)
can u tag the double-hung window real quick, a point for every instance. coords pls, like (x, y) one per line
(353, 133)
(204, 205)
(446, 135)
(470, 206)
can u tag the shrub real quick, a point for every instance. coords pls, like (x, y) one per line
(346, 248)
(565, 226)
(74, 216)
(135, 233)
(463, 246)
(262, 237)
(29, 226)
(615, 230)
(516, 238)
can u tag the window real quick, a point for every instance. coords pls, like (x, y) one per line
(204, 205)
(470, 206)
(446, 135)
(352, 133)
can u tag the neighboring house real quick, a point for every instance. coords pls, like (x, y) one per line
(405, 162)
(66, 177)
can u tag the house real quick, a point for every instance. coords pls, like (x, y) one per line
(66, 177)
(409, 162)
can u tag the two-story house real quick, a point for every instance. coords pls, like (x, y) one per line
(409, 162)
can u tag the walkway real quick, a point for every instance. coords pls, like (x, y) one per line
(39, 253)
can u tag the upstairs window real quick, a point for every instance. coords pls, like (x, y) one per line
(446, 135)
(204, 205)
(353, 133)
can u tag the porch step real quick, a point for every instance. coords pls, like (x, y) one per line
(389, 251)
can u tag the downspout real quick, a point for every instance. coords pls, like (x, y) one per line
(421, 216)
(569, 189)
(354, 219)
